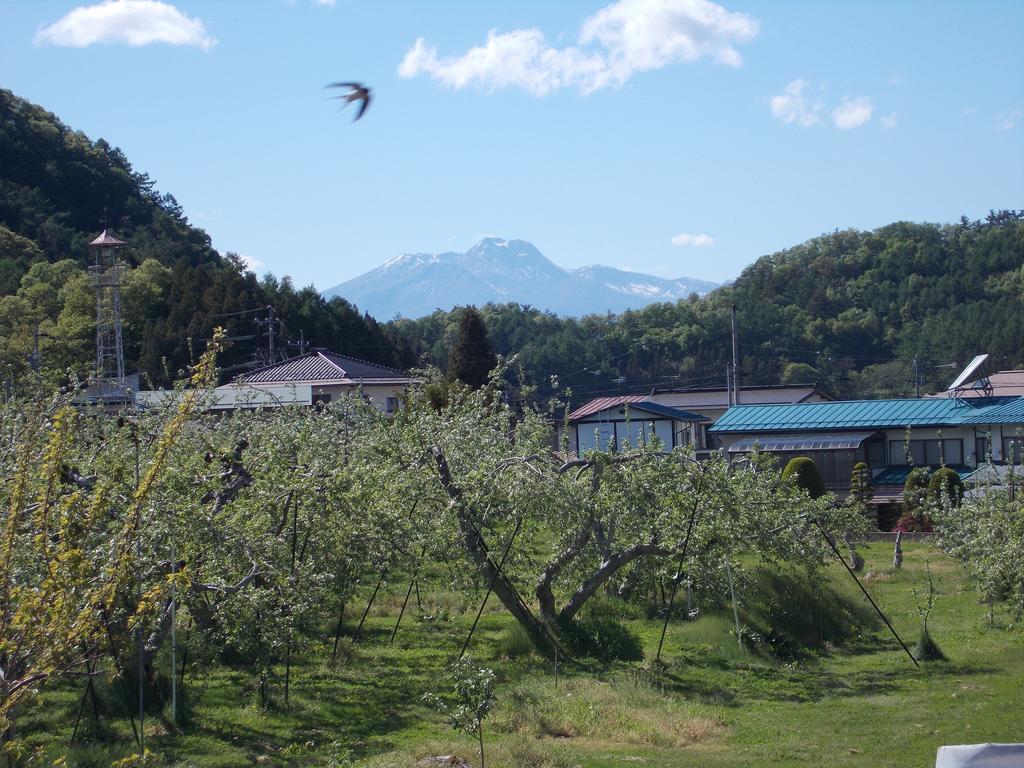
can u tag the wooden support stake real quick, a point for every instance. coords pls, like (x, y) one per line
(862, 589)
(337, 634)
(679, 570)
(81, 704)
(490, 587)
(735, 610)
(373, 597)
(415, 575)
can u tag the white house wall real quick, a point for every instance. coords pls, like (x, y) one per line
(965, 434)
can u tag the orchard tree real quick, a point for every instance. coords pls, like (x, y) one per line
(986, 534)
(496, 476)
(72, 531)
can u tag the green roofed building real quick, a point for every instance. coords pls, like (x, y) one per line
(891, 436)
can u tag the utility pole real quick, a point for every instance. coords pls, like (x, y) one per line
(35, 358)
(271, 322)
(728, 383)
(917, 377)
(735, 359)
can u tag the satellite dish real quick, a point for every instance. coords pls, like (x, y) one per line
(969, 371)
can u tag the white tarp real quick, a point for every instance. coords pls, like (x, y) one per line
(981, 756)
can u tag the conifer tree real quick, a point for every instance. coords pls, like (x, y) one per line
(472, 358)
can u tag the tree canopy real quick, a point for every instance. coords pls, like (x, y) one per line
(58, 188)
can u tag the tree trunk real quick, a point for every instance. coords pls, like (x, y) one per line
(607, 569)
(477, 550)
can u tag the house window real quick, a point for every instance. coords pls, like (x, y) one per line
(876, 453)
(321, 398)
(953, 451)
(926, 453)
(391, 404)
(1013, 450)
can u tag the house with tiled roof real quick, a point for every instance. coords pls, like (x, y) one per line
(320, 377)
(316, 377)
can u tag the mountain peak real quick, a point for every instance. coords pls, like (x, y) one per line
(498, 270)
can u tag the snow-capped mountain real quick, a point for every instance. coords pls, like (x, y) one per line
(495, 270)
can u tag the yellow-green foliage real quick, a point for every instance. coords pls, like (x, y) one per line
(58, 587)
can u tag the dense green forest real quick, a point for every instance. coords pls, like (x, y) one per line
(850, 310)
(57, 189)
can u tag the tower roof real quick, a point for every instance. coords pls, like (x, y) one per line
(107, 239)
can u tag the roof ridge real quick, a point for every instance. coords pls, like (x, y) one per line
(360, 360)
(327, 356)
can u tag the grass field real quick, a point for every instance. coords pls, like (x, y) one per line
(858, 703)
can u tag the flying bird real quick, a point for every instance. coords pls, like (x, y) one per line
(357, 92)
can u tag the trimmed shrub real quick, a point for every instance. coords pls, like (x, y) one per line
(804, 472)
(915, 489)
(946, 481)
(860, 483)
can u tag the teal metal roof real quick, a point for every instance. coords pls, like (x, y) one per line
(1010, 411)
(871, 414)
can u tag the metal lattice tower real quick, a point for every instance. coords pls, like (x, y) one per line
(106, 277)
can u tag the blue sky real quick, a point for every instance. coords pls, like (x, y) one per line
(676, 137)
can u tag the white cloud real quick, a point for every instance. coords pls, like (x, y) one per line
(1009, 120)
(325, 3)
(624, 38)
(792, 106)
(251, 263)
(888, 121)
(697, 241)
(518, 59)
(852, 112)
(132, 22)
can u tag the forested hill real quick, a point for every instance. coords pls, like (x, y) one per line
(849, 310)
(57, 187)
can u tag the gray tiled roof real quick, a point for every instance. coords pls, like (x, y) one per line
(323, 367)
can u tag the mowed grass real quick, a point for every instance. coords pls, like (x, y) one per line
(861, 702)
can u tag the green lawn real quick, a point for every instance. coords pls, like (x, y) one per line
(860, 703)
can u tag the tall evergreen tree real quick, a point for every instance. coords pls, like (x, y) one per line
(472, 358)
